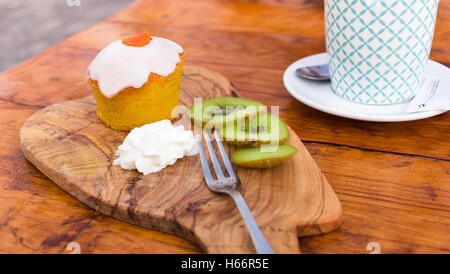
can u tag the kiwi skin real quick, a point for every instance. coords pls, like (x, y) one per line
(267, 162)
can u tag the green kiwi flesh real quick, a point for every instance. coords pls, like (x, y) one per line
(216, 112)
(255, 157)
(262, 128)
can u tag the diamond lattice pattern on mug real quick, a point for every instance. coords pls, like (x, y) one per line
(377, 55)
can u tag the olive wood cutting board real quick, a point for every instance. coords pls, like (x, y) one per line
(70, 145)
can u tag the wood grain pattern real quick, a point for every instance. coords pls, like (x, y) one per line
(70, 145)
(392, 178)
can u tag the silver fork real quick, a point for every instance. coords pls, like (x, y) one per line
(230, 186)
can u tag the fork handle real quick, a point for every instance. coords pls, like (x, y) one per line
(260, 242)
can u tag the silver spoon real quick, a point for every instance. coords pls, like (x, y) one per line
(318, 73)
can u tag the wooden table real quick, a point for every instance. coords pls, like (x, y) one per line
(393, 179)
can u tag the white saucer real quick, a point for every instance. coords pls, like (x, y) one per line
(319, 95)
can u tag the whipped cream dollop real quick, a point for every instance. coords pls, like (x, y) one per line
(154, 146)
(119, 66)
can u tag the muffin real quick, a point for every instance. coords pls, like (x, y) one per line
(136, 81)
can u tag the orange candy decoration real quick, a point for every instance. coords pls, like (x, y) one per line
(138, 40)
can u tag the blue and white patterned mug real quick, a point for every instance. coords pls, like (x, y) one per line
(378, 48)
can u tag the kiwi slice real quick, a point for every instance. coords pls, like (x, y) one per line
(255, 157)
(262, 128)
(216, 112)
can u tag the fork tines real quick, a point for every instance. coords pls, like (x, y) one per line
(216, 165)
